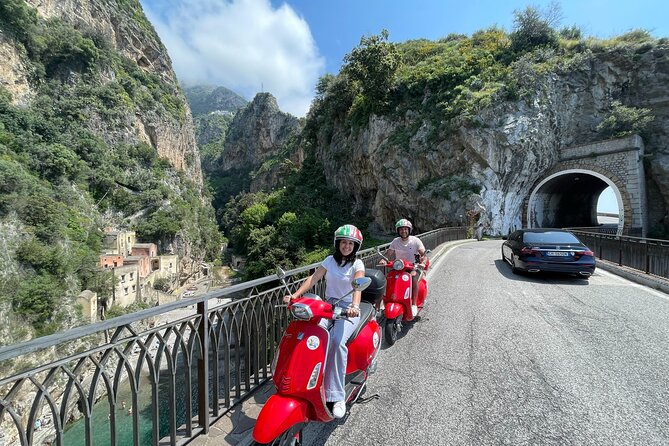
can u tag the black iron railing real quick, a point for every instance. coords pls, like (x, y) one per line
(648, 255)
(158, 376)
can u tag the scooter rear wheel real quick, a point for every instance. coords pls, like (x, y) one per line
(392, 329)
(291, 437)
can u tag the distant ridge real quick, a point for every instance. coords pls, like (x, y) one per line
(204, 99)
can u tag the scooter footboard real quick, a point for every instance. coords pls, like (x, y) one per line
(277, 415)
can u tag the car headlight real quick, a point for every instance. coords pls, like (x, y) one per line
(398, 265)
(301, 312)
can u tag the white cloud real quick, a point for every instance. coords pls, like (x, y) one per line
(244, 45)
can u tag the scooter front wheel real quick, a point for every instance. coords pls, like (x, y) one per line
(392, 329)
(291, 437)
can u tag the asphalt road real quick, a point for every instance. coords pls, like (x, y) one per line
(499, 359)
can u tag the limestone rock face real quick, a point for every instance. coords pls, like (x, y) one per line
(260, 132)
(13, 74)
(126, 27)
(505, 148)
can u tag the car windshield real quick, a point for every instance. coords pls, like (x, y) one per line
(549, 237)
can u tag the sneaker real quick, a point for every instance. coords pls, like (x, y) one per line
(339, 409)
(414, 310)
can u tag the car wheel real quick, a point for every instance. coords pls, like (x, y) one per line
(513, 266)
(503, 258)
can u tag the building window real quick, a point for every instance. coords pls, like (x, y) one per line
(122, 278)
(115, 264)
(131, 275)
(133, 288)
(125, 290)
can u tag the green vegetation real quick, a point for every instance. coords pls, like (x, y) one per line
(64, 162)
(625, 121)
(291, 226)
(116, 311)
(162, 284)
(449, 81)
(445, 84)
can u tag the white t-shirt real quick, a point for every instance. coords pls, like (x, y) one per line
(408, 250)
(338, 279)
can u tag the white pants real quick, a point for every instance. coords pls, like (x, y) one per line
(335, 368)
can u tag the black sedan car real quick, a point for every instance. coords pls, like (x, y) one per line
(556, 250)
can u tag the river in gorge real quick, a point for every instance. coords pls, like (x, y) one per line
(101, 425)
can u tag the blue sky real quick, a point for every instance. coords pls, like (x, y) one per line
(283, 47)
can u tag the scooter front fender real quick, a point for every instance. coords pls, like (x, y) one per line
(393, 310)
(277, 415)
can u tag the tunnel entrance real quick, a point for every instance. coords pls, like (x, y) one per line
(569, 199)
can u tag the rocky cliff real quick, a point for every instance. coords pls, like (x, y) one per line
(440, 169)
(124, 24)
(95, 132)
(261, 139)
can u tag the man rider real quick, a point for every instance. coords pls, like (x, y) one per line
(405, 247)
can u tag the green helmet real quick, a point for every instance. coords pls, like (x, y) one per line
(349, 232)
(403, 223)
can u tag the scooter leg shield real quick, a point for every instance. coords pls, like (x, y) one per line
(422, 292)
(277, 415)
(393, 309)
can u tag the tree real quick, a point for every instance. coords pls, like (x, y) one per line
(533, 29)
(38, 300)
(372, 64)
(623, 121)
(162, 284)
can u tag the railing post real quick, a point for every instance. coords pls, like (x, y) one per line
(203, 368)
(647, 259)
(601, 246)
(620, 251)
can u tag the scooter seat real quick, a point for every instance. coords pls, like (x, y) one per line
(366, 311)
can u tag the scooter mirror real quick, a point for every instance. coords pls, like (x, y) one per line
(361, 283)
(280, 273)
(378, 251)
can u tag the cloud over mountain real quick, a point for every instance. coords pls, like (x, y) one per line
(245, 45)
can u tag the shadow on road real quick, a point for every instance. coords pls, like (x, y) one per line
(406, 326)
(541, 277)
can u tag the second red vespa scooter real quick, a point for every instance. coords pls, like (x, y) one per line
(298, 367)
(397, 300)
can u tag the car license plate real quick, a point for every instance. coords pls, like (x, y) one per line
(557, 253)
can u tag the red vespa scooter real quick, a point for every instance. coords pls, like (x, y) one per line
(397, 300)
(298, 367)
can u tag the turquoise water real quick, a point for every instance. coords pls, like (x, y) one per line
(101, 425)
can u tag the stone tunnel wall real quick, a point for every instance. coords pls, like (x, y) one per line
(619, 160)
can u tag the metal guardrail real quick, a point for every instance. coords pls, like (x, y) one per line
(644, 254)
(180, 366)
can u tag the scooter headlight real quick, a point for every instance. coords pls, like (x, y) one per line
(398, 265)
(301, 312)
(313, 379)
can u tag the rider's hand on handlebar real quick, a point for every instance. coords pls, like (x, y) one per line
(287, 299)
(353, 311)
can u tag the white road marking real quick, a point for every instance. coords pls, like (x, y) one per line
(633, 284)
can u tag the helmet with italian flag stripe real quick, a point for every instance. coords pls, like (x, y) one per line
(349, 232)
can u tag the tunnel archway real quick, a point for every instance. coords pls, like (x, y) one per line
(568, 198)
